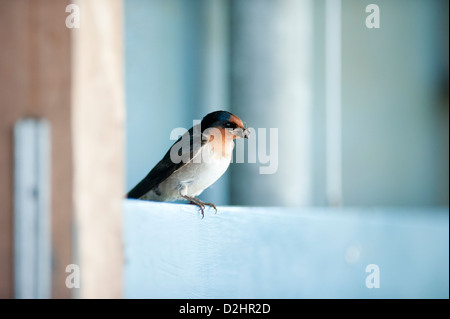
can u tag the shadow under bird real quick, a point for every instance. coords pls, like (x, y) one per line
(194, 162)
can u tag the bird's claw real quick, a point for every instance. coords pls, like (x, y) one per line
(200, 204)
(211, 205)
(202, 209)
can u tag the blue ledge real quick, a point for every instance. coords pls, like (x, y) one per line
(254, 252)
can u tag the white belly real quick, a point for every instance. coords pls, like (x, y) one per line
(193, 178)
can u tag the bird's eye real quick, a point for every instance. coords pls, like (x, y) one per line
(230, 125)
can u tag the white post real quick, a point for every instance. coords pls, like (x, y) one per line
(32, 218)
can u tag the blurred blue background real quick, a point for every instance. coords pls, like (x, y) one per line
(266, 61)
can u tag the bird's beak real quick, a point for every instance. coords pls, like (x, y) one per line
(246, 132)
(241, 132)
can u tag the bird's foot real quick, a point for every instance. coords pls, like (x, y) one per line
(200, 204)
(197, 202)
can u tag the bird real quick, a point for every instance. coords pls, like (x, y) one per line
(194, 162)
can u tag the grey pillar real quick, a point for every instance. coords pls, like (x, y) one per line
(271, 87)
(213, 79)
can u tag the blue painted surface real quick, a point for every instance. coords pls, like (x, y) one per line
(251, 252)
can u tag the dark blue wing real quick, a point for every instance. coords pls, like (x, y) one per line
(164, 168)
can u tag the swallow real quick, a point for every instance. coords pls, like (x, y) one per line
(194, 162)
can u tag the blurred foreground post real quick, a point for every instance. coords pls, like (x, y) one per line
(35, 83)
(98, 122)
(71, 79)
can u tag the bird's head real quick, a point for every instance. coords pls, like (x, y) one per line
(228, 123)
